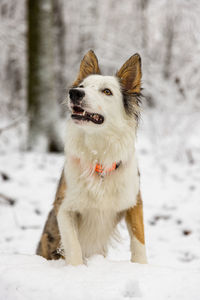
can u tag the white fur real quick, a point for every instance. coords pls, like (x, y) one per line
(98, 200)
(69, 236)
(138, 251)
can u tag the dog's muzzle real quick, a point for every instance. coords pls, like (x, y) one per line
(80, 114)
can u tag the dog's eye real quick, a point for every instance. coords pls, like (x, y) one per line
(81, 86)
(107, 92)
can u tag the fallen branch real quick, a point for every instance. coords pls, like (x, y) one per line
(9, 200)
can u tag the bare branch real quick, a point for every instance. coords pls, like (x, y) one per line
(13, 124)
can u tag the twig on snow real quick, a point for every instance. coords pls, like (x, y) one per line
(9, 200)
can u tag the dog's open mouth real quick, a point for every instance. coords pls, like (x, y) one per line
(80, 114)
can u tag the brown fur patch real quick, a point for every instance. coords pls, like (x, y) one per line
(60, 193)
(50, 239)
(134, 218)
(89, 65)
(130, 74)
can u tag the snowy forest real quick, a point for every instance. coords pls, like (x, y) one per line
(166, 34)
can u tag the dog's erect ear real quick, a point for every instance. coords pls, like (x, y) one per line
(130, 74)
(89, 65)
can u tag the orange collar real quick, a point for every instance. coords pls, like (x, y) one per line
(99, 169)
(105, 171)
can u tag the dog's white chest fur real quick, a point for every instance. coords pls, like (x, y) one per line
(86, 189)
(95, 229)
(99, 202)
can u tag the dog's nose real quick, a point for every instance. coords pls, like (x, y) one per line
(76, 95)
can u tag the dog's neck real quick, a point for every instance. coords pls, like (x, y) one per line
(100, 148)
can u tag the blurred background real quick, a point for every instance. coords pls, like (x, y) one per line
(41, 45)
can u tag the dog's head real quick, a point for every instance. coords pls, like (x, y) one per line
(99, 101)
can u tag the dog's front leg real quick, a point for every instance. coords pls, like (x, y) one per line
(67, 223)
(134, 220)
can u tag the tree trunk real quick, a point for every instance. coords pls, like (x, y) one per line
(42, 104)
(60, 49)
(169, 33)
(168, 54)
(144, 24)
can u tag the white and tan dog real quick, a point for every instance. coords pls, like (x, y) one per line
(100, 181)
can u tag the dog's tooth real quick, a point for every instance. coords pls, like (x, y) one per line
(84, 113)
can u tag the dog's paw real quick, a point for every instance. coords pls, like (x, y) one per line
(139, 259)
(74, 260)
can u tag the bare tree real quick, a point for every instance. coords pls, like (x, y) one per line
(171, 22)
(42, 105)
(144, 23)
(60, 48)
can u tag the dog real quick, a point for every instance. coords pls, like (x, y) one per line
(99, 185)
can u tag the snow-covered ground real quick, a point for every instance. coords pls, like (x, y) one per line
(32, 277)
(170, 189)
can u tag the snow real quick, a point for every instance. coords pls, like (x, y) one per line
(32, 277)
